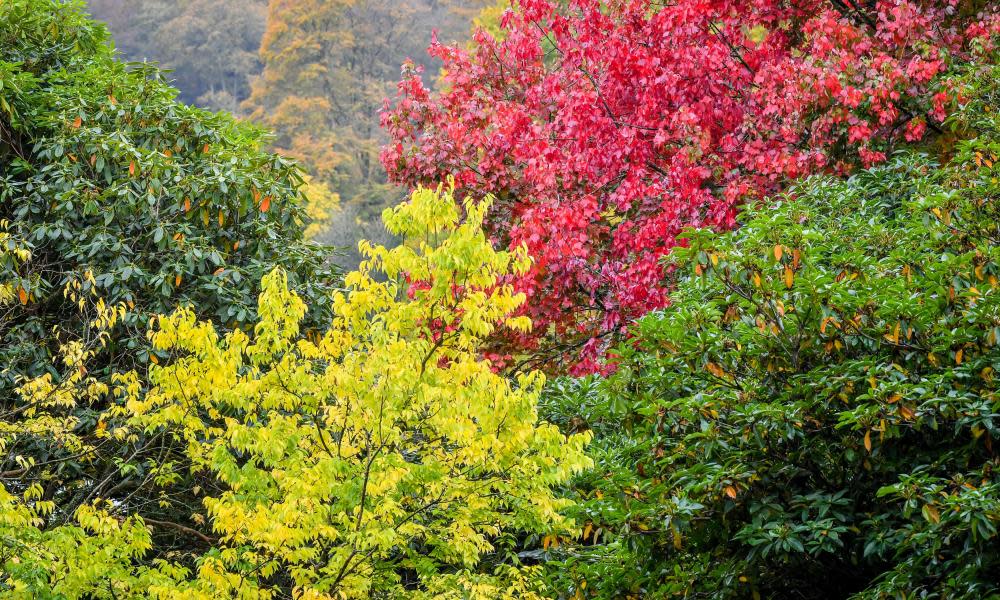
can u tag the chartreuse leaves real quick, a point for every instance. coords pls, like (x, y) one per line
(384, 456)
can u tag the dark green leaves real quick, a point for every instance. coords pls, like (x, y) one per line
(823, 389)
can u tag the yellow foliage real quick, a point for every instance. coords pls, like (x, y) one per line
(386, 445)
(321, 205)
(489, 18)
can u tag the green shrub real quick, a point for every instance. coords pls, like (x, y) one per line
(813, 416)
(117, 187)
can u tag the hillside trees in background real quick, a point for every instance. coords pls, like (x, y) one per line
(814, 414)
(118, 202)
(210, 46)
(606, 129)
(328, 66)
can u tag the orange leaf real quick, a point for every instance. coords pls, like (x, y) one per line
(931, 513)
(778, 252)
(868, 440)
(716, 370)
(222, 219)
(236, 245)
(177, 280)
(131, 168)
(958, 357)
(204, 149)
(265, 204)
(789, 276)
(22, 295)
(77, 122)
(730, 491)
(187, 204)
(218, 271)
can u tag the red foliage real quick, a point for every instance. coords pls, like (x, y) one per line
(604, 131)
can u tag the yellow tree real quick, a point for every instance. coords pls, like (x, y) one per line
(385, 456)
(328, 66)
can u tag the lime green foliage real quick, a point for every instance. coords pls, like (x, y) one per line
(384, 453)
(489, 18)
(814, 415)
(382, 456)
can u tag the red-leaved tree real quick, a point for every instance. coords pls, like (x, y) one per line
(606, 128)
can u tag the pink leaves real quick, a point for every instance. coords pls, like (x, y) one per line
(605, 129)
(915, 129)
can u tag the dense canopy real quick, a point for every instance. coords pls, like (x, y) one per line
(690, 300)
